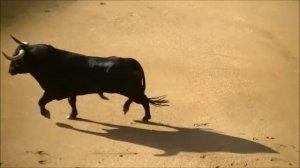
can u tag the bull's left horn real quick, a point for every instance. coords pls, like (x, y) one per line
(18, 41)
(14, 58)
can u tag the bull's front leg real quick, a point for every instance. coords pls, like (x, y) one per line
(46, 98)
(72, 102)
(126, 106)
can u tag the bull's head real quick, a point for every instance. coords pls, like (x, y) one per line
(18, 64)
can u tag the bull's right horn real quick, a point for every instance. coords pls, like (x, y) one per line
(14, 58)
(18, 41)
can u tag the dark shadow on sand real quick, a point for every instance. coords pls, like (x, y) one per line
(172, 142)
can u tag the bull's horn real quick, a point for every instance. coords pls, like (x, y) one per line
(7, 57)
(14, 58)
(18, 41)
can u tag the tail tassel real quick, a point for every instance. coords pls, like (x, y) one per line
(159, 101)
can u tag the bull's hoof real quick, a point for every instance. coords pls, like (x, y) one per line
(72, 117)
(46, 114)
(105, 98)
(146, 119)
(125, 109)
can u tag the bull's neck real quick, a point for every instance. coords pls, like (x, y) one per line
(41, 80)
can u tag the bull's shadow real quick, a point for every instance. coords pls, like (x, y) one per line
(181, 140)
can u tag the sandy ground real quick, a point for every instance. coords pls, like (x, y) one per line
(230, 70)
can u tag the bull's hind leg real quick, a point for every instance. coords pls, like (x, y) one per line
(143, 99)
(146, 106)
(46, 98)
(127, 105)
(72, 102)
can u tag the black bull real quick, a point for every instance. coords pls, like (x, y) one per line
(64, 74)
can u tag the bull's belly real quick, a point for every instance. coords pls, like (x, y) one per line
(64, 88)
(66, 91)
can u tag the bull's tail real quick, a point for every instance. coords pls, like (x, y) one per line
(156, 101)
(159, 101)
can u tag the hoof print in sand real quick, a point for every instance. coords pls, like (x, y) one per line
(270, 137)
(41, 156)
(42, 161)
(201, 124)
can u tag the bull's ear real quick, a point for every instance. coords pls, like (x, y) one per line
(18, 41)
